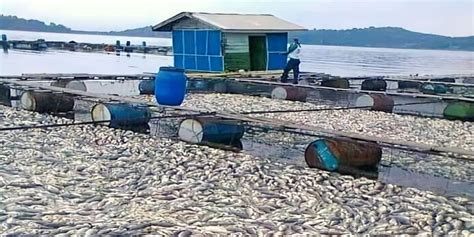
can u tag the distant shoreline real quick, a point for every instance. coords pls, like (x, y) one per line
(156, 37)
(370, 37)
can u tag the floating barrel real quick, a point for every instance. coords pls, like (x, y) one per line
(469, 80)
(170, 86)
(214, 130)
(46, 102)
(199, 85)
(376, 102)
(332, 154)
(246, 88)
(374, 85)
(5, 95)
(336, 83)
(70, 84)
(121, 114)
(459, 110)
(147, 87)
(290, 93)
(408, 85)
(220, 86)
(431, 88)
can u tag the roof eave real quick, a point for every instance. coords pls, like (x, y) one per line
(261, 30)
(165, 25)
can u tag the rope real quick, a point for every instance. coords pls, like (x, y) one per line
(391, 146)
(97, 122)
(195, 115)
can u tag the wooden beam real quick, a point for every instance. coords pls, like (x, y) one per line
(414, 95)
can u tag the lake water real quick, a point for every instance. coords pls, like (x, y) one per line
(336, 60)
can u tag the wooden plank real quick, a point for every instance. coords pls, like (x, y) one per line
(417, 95)
(425, 81)
(268, 122)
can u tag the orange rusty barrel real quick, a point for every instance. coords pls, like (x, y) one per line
(336, 83)
(334, 153)
(290, 93)
(376, 102)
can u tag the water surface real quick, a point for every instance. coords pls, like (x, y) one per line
(336, 60)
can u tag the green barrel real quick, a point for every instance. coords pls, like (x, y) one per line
(459, 110)
(431, 88)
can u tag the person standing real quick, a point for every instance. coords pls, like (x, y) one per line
(293, 63)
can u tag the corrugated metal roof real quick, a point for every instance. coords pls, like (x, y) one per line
(234, 22)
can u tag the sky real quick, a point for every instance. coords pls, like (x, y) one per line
(444, 17)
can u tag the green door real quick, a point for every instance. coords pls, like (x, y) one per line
(258, 53)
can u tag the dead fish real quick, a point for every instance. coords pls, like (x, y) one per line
(163, 224)
(24, 185)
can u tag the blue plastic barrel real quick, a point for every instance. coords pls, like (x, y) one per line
(170, 86)
(121, 114)
(147, 87)
(215, 130)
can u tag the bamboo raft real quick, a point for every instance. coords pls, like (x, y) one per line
(262, 84)
(272, 123)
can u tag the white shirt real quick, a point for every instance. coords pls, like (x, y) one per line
(295, 54)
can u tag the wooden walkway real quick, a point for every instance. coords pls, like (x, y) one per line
(267, 122)
(412, 95)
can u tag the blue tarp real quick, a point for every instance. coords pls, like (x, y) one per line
(198, 50)
(276, 45)
(201, 42)
(178, 47)
(277, 42)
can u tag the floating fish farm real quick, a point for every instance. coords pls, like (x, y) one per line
(86, 154)
(43, 45)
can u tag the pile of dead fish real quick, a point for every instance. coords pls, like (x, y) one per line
(432, 131)
(93, 180)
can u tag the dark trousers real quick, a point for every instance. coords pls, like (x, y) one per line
(293, 64)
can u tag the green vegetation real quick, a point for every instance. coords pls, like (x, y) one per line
(15, 23)
(386, 37)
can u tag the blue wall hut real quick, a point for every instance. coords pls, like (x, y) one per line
(211, 42)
